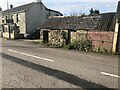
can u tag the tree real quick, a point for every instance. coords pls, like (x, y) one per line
(94, 12)
(91, 11)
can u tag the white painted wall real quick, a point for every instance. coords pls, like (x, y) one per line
(35, 17)
(21, 22)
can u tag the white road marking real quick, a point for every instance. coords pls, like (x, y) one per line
(46, 59)
(108, 74)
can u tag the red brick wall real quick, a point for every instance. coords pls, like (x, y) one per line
(101, 39)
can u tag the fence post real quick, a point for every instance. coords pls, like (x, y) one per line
(115, 39)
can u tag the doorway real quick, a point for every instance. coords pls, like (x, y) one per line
(45, 37)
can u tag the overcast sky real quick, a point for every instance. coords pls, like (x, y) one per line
(70, 6)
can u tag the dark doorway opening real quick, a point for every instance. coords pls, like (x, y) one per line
(45, 37)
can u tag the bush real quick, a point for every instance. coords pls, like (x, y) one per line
(86, 45)
(83, 44)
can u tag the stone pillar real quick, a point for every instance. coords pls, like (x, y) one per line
(69, 36)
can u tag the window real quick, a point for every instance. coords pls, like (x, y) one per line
(18, 18)
(5, 29)
(6, 18)
(12, 17)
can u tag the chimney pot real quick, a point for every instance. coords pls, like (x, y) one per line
(11, 6)
(38, 0)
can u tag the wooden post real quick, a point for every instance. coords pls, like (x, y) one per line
(116, 32)
(69, 36)
(115, 36)
(45, 36)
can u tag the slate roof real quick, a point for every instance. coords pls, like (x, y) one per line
(19, 8)
(25, 8)
(104, 22)
(54, 11)
(118, 11)
(0, 9)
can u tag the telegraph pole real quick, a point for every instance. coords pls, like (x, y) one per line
(8, 19)
(8, 7)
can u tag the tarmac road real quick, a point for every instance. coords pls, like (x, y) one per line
(26, 65)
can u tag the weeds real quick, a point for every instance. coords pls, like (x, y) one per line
(86, 45)
(83, 45)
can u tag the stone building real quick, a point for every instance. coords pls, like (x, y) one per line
(100, 29)
(103, 30)
(28, 17)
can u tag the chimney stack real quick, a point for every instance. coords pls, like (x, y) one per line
(11, 6)
(38, 0)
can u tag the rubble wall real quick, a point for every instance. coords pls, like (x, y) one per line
(78, 35)
(99, 39)
(57, 37)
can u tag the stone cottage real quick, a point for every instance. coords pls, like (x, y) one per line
(100, 29)
(28, 17)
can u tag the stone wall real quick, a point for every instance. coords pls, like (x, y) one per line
(78, 35)
(103, 40)
(99, 39)
(57, 37)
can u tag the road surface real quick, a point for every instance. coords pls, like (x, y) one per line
(26, 65)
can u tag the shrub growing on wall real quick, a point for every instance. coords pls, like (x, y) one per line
(82, 44)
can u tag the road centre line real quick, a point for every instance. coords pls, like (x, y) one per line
(112, 75)
(46, 59)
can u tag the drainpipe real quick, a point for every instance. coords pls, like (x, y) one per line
(49, 12)
(9, 31)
